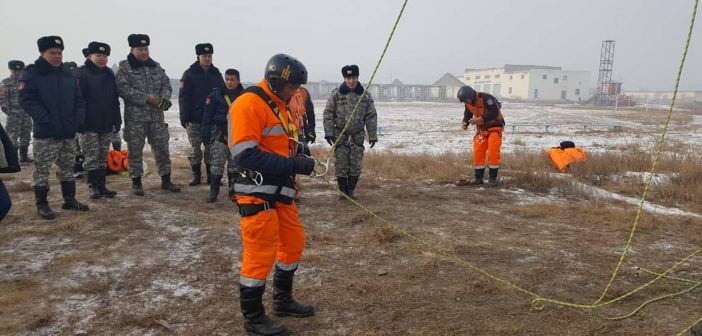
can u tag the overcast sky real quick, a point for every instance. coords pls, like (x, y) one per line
(433, 37)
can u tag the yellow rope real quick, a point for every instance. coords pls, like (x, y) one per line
(539, 301)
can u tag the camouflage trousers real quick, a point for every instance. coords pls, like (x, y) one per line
(48, 151)
(19, 129)
(196, 143)
(94, 147)
(220, 153)
(136, 133)
(349, 157)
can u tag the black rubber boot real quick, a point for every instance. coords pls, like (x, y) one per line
(492, 177)
(137, 189)
(353, 181)
(197, 175)
(24, 155)
(343, 182)
(93, 184)
(43, 209)
(68, 189)
(255, 320)
(166, 184)
(283, 302)
(214, 188)
(102, 180)
(479, 174)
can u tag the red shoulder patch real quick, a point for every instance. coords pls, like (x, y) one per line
(182, 84)
(20, 85)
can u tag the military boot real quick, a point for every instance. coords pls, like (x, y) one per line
(343, 182)
(93, 184)
(42, 204)
(137, 189)
(283, 302)
(197, 175)
(492, 177)
(24, 155)
(353, 181)
(214, 188)
(166, 184)
(255, 320)
(102, 180)
(68, 189)
(479, 174)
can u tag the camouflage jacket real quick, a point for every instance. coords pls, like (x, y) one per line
(9, 96)
(136, 81)
(339, 108)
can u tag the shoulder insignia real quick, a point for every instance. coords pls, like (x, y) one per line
(182, 84)
(20, 85)
(490, 102)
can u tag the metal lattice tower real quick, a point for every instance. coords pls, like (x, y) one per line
(604, 96)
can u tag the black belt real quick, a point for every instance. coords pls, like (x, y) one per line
(246, 210)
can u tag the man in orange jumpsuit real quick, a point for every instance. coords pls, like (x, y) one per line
(483, 111)
(263, 144)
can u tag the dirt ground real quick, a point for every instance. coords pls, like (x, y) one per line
(167, 263)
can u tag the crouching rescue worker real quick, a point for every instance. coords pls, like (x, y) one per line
(263, 145)
(483, 111)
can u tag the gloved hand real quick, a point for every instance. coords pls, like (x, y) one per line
(184, 124)
(476, 121)
(303, 165)
(311, 136)
(153, 100)
(330, 140)
(464, 125)
(165, 104)
(372, 143)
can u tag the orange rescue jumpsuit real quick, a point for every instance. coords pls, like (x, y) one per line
(488, 136)
(260, 141)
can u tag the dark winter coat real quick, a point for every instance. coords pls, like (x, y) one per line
(99, 90)
(52, 97)
(195, 85)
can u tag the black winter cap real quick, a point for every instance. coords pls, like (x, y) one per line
(48, 42)
(138, 40)
(98, 48)
(350, 71)
(15, 65)
(204, 49)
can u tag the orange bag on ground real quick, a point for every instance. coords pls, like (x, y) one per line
(117, 160)
(561, 158)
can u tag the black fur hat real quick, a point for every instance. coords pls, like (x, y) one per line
(98, 48)
(15, 65)
(138, 40)
(204, 49)
(350, 71)
(48, 42)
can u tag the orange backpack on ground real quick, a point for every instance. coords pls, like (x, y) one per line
(117, 161)
(561, 158)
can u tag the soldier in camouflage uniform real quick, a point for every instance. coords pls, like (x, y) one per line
(214, 118)
(19, 123)
(102, 119)
(146, 91)
(50, 94)
(349, 152)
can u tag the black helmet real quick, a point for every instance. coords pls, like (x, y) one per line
(466, 94)
(282, 69)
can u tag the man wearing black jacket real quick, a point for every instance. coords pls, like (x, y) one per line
(198, 82)
(50, 94)
(102, 118)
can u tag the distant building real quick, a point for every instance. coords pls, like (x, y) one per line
(448, 86)
(664, 97)
(530, 82)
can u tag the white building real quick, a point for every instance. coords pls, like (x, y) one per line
(664, 97)
(530, 82)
